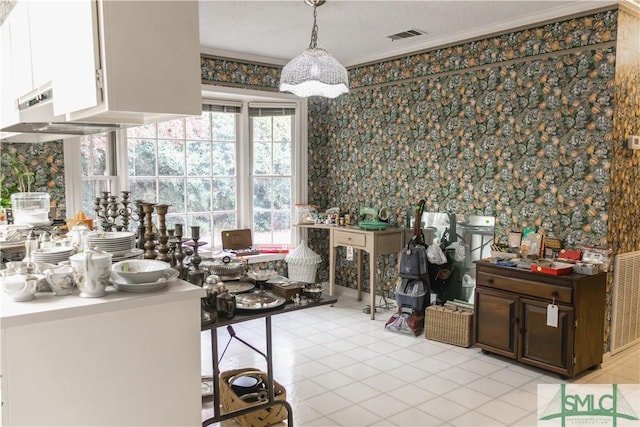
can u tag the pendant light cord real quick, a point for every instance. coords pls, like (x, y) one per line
(314, 31)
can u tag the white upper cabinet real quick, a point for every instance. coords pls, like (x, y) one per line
(8, 100)
(18, 22)
(42, 31)
(148, 58)
(77, 47)
(105, 61)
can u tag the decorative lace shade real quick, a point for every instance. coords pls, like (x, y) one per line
(314, 72)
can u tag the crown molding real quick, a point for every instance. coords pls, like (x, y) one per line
(254, 59)
(548, 15)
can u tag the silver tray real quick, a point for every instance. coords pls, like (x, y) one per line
(259, 301)
(238, 287)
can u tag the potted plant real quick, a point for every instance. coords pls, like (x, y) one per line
(15, 177)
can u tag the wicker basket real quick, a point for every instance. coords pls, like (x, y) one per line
(302, 273)
(448, 326)
(302, 264)
(264, 417)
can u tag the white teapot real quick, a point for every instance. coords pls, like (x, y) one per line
(91, 271)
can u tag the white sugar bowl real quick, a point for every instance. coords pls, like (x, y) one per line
(20, 287)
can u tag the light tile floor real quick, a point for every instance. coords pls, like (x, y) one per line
(340, 368)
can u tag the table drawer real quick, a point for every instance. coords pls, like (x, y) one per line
(526, 287)
(345, 238)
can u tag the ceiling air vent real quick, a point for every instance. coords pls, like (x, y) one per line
(406, 34)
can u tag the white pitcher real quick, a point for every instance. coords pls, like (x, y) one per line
(91, 271)
(78, 233)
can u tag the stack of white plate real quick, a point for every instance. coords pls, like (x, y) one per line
(120, 244)
(52, 255)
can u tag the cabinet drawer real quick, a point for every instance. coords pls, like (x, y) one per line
(344, 238)
(526, 287)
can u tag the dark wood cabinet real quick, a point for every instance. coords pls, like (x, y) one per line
(510, 317)
(497, 312)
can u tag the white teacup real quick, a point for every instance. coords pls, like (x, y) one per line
(20, 287)
(91, 271)
(61, 280)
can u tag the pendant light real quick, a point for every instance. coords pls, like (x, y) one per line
(315, 72)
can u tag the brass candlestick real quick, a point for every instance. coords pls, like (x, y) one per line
(149, 241)
(161, 210)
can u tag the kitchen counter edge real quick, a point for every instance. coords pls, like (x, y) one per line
(47, 307)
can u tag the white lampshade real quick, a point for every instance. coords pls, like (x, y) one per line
(315, 72)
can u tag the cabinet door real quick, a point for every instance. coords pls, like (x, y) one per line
(76, 43)
(8, 101)
(18, 21)
(546, 346)
(43, 29)
(496, 321)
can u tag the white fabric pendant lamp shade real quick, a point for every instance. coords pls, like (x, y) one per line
(315, 72)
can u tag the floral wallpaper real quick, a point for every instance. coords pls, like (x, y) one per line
(624, 208)
(547, 39)
(45, 161)
(235, 73)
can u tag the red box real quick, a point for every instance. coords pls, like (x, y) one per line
(573, 254)
(555, 268)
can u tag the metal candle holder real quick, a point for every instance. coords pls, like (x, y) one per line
(113, 215)
(149, 235)
(163, 248)
(178, 254)
(196, 275)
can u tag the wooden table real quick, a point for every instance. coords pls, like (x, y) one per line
(376, 243)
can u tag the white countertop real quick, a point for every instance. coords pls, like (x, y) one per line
(47, 307)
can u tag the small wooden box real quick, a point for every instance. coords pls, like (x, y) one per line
(287, 291)
(449, 326)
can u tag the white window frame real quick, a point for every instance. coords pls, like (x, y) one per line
(73, 172)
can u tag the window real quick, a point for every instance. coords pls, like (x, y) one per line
(241, 164)
(98, 168)
(190, 164)
(272, 131)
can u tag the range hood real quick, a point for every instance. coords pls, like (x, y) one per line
(108, 73)
(38, 121)
(37, 117)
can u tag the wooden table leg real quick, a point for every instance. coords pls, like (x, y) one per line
(359, 268)
(332, 268)
(372, 283)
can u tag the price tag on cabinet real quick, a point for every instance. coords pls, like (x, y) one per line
(552, 315)
(349, 253)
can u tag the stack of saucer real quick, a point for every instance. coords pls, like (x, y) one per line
(52, 255)
(120, 244)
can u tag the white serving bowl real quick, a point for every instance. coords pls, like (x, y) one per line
(140, 270)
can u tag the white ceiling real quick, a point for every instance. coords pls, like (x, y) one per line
(355, 31)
